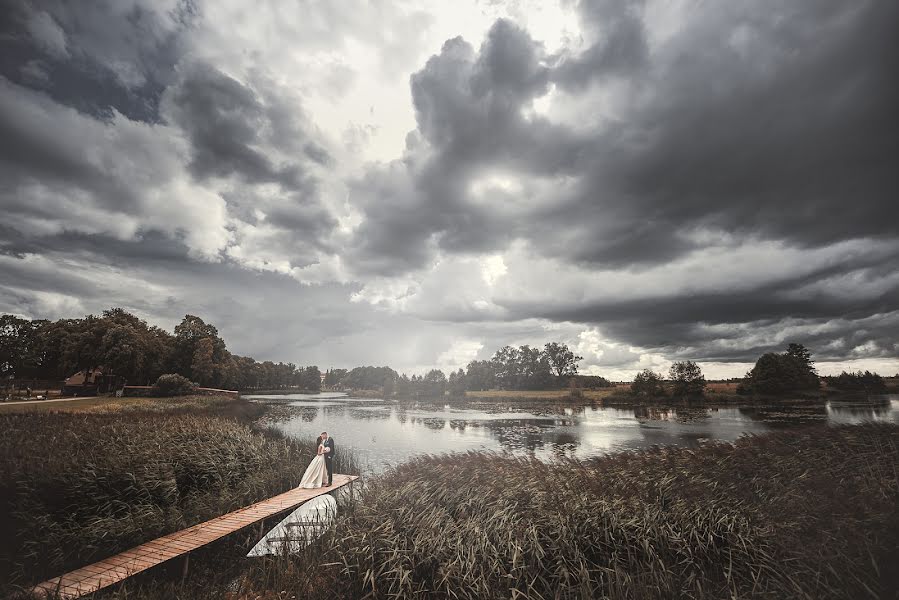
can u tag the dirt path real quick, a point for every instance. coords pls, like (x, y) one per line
(20, 402)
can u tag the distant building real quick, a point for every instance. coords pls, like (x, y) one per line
(91, 381)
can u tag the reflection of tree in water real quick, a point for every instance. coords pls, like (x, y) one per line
(530, 435)
(368, 415)
(401, 414)
(877, 407)
(789, 415)
(457, 425)
(308, 413)
(681, 414)
(433, 423)
(564, 440)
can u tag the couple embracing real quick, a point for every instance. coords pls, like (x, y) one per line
(320, 472)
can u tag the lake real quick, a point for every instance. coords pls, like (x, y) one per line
(386, 433)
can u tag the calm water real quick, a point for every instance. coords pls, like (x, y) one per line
(384, 433)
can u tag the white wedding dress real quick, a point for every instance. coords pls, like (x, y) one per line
(316, 474)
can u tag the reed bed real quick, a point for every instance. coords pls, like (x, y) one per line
(799, 515)
(77, 487)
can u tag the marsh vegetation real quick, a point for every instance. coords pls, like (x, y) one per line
(77, 486)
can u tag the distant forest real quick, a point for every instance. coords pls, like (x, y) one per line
(522, 368)
(122, 344)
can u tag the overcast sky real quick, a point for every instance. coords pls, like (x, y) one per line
(418, 184)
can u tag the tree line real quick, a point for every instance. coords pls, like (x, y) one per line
(511, 368)
(774, 374)
(125, 345)
(120, 343)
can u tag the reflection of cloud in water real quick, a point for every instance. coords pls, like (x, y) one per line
(384, 434)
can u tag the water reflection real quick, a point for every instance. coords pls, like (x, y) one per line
(387, 433)
(881, 409)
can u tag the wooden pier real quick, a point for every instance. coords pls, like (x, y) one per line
(114, 569)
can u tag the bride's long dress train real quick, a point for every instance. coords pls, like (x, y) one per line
(316, 473)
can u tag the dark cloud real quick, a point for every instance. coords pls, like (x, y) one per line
(128, 150)
(96, 57)
(469, 108)
(772, 123)
(620, 47)
(233, 131)
(739, 322)
(758, 122)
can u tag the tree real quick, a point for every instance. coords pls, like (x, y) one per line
(801, 354)
(561, 360)
(435, 383)
(534, 369)
(335, 377)
(390, 387)
(202, 366)
(403, 386)
(778, 374)
(20, 348)
(688, 379)
(188, 334)
(505, 365)
(480, 375)
(457, 383)
(867, 382)
(312, 378)
(368, 378)
(647, 384)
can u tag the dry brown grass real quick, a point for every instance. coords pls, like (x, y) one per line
(722, 387)
(82, 484)
(111, 405)
(786, 515)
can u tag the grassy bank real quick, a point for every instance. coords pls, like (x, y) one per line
(556, 395)
(799, 515)
(84, 482)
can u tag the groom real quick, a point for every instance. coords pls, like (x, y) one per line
(328, 443)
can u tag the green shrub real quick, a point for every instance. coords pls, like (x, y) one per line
(173, 384)
(867, 382)
(687, 379)
(647, 384)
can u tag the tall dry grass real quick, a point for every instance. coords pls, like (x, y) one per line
(799, 515)
(75, 488)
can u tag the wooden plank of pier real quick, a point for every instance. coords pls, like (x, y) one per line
(114, 569)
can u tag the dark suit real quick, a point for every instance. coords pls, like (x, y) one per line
(329, 458)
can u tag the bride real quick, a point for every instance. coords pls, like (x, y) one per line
(316, 474)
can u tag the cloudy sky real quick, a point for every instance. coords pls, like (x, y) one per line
(417, 184)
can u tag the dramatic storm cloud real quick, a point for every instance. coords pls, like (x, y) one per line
(419, 184)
